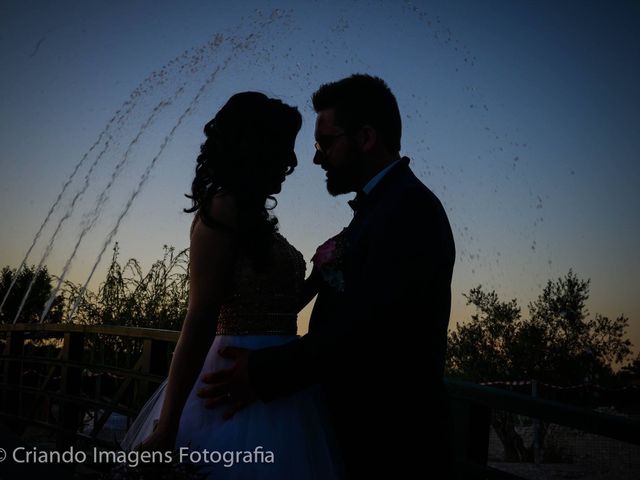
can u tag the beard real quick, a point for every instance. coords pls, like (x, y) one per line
(344, 179)
(338, 183)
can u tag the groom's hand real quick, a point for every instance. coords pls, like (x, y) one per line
(231, 386)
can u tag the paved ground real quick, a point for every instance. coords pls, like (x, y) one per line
(553, 471)
(581, 456)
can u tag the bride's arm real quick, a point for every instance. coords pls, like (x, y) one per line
(212, 254)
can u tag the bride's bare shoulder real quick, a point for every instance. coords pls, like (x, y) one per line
(221, 212)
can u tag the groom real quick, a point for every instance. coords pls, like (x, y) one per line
(377, 338)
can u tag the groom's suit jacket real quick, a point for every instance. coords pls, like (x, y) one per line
(377, 344)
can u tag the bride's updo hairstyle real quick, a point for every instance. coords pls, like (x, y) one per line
(248, 153)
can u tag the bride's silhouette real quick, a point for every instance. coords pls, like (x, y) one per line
(246, 288)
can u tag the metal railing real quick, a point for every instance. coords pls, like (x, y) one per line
(472, 406)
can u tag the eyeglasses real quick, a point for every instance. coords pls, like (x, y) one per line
(325, 150)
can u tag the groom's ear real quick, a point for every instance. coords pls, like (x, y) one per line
(367, 137)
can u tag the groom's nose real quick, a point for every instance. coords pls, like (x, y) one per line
(317, 158)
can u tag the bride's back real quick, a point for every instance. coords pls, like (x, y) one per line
(264, 302)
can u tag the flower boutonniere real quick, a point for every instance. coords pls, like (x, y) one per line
(329, 260)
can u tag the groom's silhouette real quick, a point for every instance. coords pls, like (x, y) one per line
(377, 337)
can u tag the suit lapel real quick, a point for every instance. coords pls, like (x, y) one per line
(384, 185)
(366, 212)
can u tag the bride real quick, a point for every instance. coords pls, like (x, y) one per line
(246, 287)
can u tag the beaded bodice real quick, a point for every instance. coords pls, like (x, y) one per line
(264, 303)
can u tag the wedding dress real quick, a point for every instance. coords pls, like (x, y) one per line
(261, 312)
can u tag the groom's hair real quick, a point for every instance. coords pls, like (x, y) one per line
(363, 100)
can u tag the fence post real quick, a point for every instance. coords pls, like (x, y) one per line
(537, 447)
(471, 425)
(70, 384)
(14, 347)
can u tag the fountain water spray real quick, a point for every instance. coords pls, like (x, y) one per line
(238, 45)
(95, 214)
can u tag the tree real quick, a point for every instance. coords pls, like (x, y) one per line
(480, 350)
(558, 343)
(631, 371)
(35, 302)
(573, 348)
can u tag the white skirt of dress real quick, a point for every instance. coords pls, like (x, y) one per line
(294, 429)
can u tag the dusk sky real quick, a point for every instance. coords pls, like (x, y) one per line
(521, 116)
